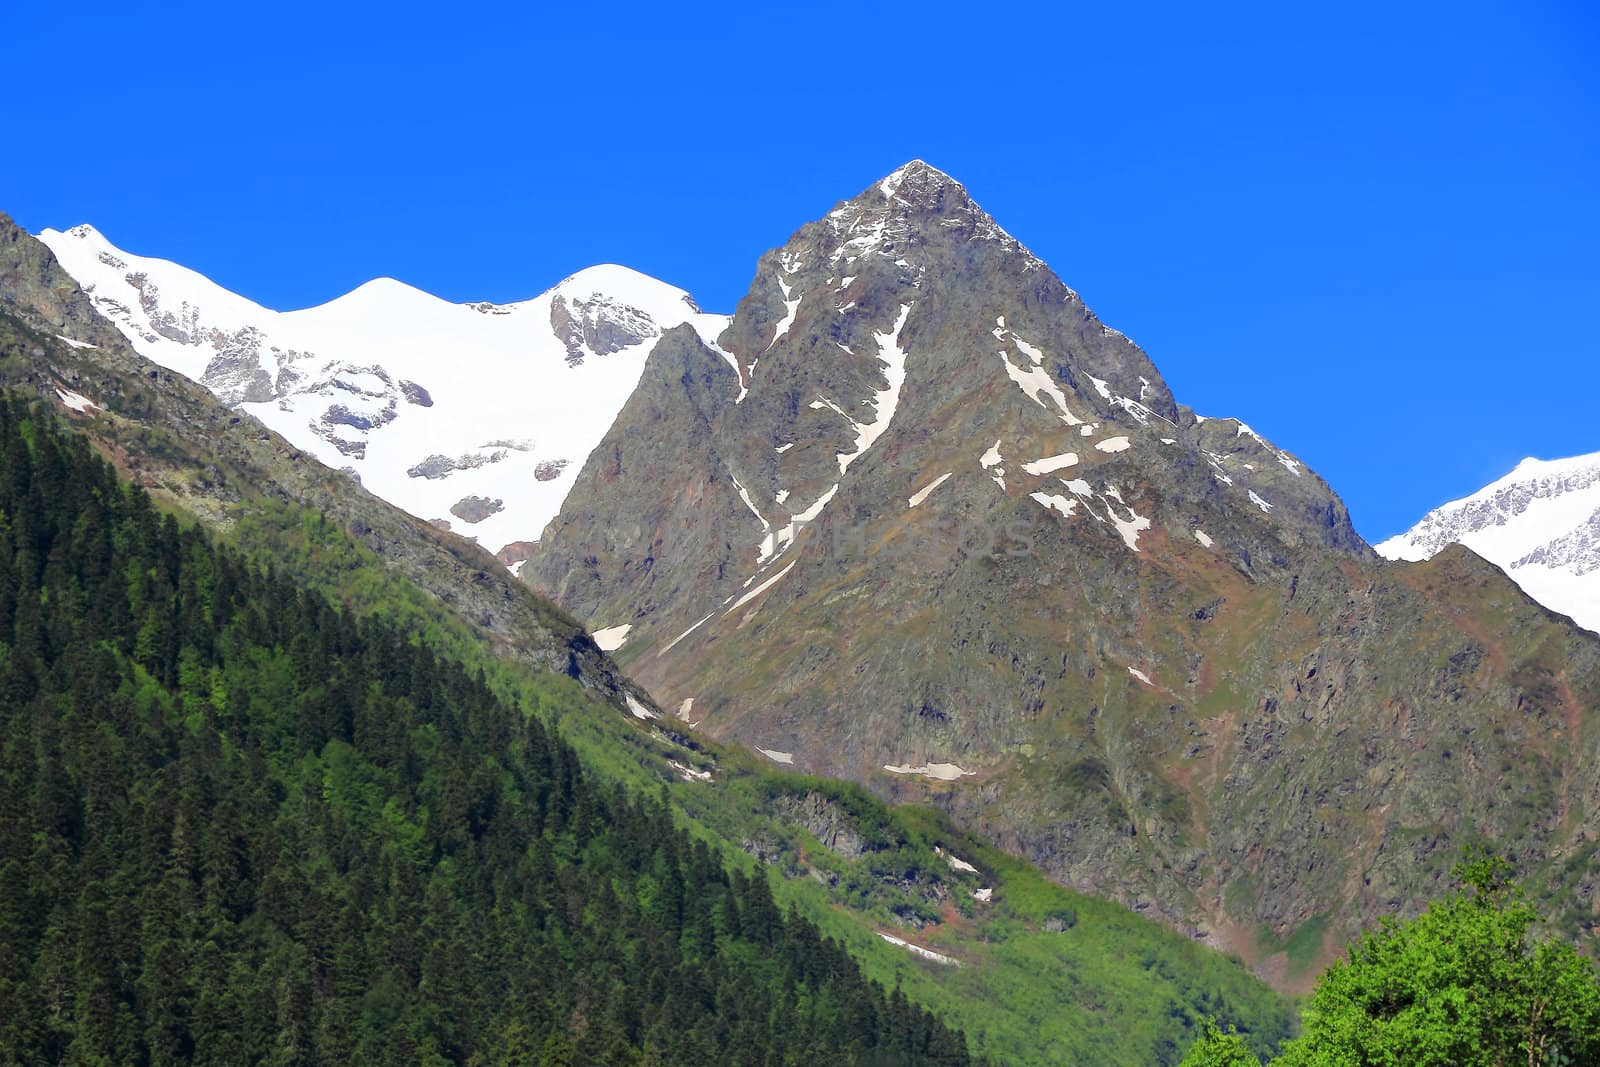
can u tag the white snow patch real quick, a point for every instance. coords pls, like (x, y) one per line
(75, 344)
(784, 536)
(783, 494)
(1036, 381)
(984, 895)
(887, 399)
(1216, 466)
(1255, 499)
(638, 709)
(1143, 677)
(1112, 444)
(1289, 464)
(1203, 538)
(781, 449)
(1100, 386)
(957, 863)
(790, 309)
(689, 774)
(744, 494)
(777, 757)
(1056, 502)
(762, 588)
(612, 637)
(76, 401)
(944, 772)
(681, 636)
(1129, 528)
(922, 494)
(1087, 431)
(516, 568)
(685, 708)
(991, 458)
(1051, 463)
(1078, 486)
(1169, 441)
(918, 950)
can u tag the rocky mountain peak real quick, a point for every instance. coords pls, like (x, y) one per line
(904, 353)
(912, 180)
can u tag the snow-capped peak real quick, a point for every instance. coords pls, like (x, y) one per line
(1540, 524)
(478, 415)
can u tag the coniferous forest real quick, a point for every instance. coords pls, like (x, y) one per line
(243, 827)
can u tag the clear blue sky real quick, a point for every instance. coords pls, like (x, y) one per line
(1370, 230)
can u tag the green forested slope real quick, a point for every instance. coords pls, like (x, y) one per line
(238, 825)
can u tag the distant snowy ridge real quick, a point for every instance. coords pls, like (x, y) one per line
(477, 415)
(1540, 524)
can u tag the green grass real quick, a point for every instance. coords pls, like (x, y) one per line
(1303, 946)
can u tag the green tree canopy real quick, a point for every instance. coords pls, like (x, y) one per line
(1214, 1048)
(1466, 984)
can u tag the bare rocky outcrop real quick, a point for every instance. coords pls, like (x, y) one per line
(474, 509)
(598, 326)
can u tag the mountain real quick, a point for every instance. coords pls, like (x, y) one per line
(474, 416)
(917, 518)
(1030, 971)
(1540, 524)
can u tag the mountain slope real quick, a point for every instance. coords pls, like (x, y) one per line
(921, 520)
(242, 828)
(1042, 975)
(476, 416)
(1540, 524)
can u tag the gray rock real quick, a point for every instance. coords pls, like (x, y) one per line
(475, 509)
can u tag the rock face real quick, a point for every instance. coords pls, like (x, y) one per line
(600, 325)
(427, 401)
(918, 508)
(1540, 524)
(476, 508)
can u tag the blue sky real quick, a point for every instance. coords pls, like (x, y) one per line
(1371, 233)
